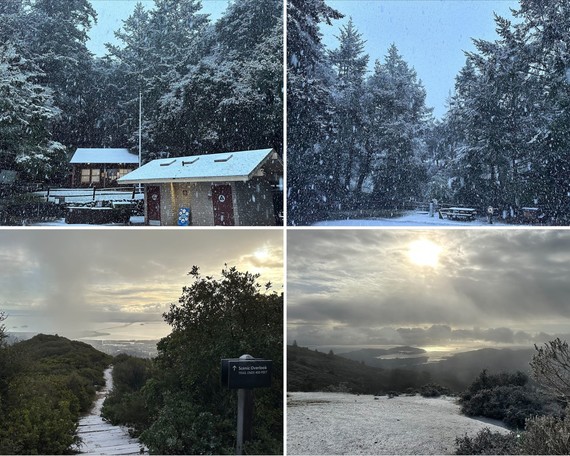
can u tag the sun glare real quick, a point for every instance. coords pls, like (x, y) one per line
(424, 253)
(261, 254)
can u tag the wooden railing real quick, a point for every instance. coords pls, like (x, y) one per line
(72, 195)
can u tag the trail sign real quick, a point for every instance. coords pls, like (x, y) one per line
(246, 373)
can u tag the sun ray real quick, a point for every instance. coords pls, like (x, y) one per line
(424, 252)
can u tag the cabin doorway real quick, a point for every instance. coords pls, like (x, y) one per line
(223, 205)
(153, 204)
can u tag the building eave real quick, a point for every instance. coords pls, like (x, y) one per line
(181, 180)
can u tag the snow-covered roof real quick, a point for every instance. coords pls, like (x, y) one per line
(84, 155)
(227, 166)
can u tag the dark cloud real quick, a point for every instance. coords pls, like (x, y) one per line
(363, 280)
(435, 335)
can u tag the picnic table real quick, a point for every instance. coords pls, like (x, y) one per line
(532, 215)
(459, 213)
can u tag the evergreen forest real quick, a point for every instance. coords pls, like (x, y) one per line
(206, 86)
(362, 142)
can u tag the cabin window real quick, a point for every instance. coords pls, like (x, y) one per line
(113, 174)
(85, 176)
(123, 172)
(89, 176)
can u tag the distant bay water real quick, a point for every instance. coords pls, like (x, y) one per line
(33, 322)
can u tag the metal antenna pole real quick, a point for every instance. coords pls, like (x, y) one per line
(140, 128)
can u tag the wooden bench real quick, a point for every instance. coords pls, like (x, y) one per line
(459, 213)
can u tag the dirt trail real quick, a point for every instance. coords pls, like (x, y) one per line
(101, 437)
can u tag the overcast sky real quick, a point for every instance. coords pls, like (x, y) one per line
(383, 287)
(431, 35)
(112, 13)
(67, 281)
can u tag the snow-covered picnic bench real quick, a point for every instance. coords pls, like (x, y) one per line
(459, 213)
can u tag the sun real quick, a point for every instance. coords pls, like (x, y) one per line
(424, 253)
(261, 254)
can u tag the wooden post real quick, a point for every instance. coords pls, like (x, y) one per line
(94, 188)
(244, 418)
(245, 414)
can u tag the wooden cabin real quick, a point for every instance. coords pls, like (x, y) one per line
(101, 167)
(226, 189)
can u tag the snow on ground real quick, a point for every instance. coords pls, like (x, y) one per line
(135, 220)
(335, 423)
(410, 219)
(99, 436)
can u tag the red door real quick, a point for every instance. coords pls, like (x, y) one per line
(223, 205)
(153, 204)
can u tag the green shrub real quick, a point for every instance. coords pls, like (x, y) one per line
(433, 390)
(41, 417)
(487, 381)
(19, 209)
(126, 404)
(130, 373)
(546, 435)
(505, 397)
(183, 427)
(82, 389)
(543, 435)
(128, 409)
(487, 442)
(46, 382)
(342, 387)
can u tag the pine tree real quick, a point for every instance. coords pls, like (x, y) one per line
(309, 108)
(132, 73)
(57, 35)
(397, 119)
(231, 99)
(350, 63)
(27, 111)
(510, 107)
(545, 33)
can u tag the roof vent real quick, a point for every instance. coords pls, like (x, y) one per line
(168, 164)
(184, 163)
(220, 160)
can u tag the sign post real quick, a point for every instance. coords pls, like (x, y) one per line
(244, 374)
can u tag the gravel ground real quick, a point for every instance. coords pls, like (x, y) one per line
(334, 423)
